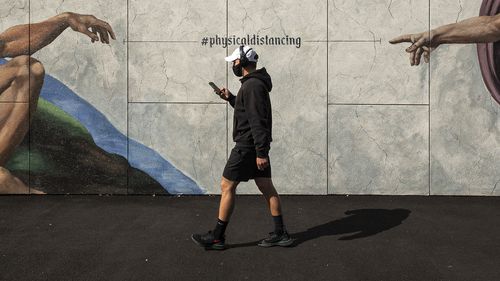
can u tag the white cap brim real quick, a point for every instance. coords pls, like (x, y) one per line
(231, 58)
(251, 54)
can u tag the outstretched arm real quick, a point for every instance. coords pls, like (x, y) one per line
(482, 29)
(27, 39)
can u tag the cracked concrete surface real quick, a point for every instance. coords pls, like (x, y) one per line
(174, 72)
(465, 121)
(378, 72)
(13, 12)
(176, 20)
(380, 149)
(373, 149)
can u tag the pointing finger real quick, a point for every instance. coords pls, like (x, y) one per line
(401, 39)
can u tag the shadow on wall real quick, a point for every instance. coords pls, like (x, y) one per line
(358, 224)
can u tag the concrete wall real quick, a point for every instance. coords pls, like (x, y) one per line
(350, 114)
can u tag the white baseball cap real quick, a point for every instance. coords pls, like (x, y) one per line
(250, 54)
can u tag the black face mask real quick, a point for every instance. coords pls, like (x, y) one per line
(238, 70)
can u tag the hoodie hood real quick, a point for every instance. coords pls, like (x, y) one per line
(262, 75)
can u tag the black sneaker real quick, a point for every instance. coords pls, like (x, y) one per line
(208, 241)
(274, 239)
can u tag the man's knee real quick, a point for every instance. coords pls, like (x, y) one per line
(228, 186)
(19, 61)
(28, 66)
(37, 69)
(265, 184)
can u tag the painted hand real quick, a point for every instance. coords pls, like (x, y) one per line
(262, 163)
(422, 44)
(92, 27)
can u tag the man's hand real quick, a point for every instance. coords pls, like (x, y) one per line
(225, 94)
(422, 44)
(262, 163)
(91, 26)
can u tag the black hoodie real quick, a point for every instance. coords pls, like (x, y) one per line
(252, 124)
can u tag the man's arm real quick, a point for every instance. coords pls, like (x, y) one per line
(482, 29)
(232, 100)
(227, 96)
(256, 105)
(27, 39)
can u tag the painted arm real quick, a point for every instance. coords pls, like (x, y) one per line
(26, 39)
(482, 29)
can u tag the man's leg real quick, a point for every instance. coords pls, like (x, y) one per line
(228, 195)
(226, 206)
(266, 186)
(215, 239)
(21, 80)
(280, 236)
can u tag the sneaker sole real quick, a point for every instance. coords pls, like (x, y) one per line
(216, 247)
(209, 247)
(285, 243)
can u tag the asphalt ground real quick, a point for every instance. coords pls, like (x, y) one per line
(83, 237)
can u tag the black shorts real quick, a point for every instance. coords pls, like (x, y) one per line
(242, 165)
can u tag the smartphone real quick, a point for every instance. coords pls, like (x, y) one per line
(216, 89)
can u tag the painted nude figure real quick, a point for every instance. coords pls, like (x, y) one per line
(21, 79)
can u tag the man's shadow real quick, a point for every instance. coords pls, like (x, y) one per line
(357, 224)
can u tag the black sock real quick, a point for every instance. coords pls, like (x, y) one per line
(278, 224)
(220, 228)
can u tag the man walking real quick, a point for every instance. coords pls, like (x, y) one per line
(249, 158)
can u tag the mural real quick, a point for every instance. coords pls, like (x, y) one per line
(70, 147)
(114, 99)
